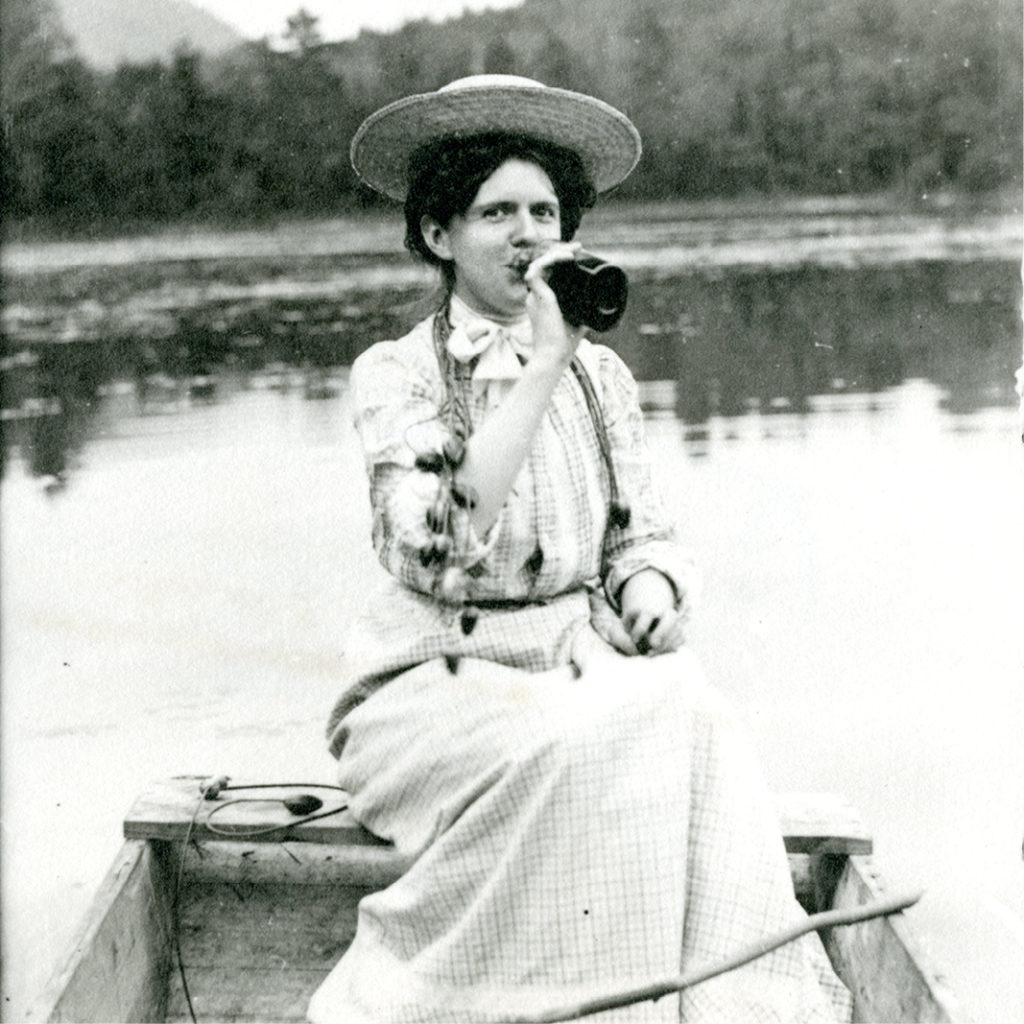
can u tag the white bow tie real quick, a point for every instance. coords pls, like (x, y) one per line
(496, 348)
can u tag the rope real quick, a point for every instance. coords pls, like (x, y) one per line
(210, 790)
(250, 833)
(618, 513)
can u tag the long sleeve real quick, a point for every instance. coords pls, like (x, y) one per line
(398, 396)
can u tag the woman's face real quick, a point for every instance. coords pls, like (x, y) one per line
(514, 215)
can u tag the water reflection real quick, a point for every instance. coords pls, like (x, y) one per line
(717, 350)
(770, 341)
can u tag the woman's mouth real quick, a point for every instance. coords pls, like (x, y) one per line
(519, 265)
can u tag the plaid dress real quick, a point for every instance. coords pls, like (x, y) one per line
(578, 821)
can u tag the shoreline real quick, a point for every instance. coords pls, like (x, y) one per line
(874, 231)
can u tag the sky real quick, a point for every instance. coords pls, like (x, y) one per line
(339, 19)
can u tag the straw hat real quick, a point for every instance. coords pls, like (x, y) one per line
(605, 139)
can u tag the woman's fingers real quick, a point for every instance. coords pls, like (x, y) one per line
(559, 252)
(656, 634)
(668, 635)
(552, 335)
(640, 626)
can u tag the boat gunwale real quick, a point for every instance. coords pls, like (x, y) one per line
(138, 871)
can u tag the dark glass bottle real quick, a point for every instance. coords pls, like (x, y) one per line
(590, 292)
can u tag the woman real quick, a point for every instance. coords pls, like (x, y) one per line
(522, 718)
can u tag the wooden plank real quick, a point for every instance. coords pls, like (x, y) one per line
(252, 925)
(367, 866)
(245, 994)
(363, 868)
(168, 810)
(121, 956)
(372, 867)
(819, 823)
(880, 961)
(262, 925)
(810, 823)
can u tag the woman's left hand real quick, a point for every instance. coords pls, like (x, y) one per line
(649, 613)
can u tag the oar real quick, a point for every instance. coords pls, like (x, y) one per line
(812, 923)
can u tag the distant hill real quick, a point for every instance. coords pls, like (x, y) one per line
(108, 32)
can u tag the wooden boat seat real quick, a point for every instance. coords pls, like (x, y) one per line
(812, 824)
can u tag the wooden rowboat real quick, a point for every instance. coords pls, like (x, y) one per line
(260, 919)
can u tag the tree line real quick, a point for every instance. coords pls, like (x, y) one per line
(810, 97)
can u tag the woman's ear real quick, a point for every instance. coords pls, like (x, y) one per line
(436, 238)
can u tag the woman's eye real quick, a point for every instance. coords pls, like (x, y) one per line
(543, 212)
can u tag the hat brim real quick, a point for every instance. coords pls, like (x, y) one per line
(603, 137)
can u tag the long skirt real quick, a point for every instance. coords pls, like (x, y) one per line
(569, 837)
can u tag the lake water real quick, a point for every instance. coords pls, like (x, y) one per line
(185, 534)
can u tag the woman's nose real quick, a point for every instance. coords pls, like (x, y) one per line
(524, 228)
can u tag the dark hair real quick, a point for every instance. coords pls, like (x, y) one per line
(445, 176)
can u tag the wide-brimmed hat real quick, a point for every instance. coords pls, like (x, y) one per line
(605, 139)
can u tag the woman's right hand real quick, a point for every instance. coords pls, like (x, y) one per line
(498, 447)
(554, 341)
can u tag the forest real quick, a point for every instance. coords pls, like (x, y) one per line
(910, 98)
